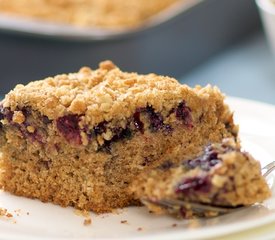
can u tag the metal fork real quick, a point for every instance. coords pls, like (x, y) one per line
(268, 168)
(174, 206)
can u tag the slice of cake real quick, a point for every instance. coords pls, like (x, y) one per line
(222, 175)
(81, 139)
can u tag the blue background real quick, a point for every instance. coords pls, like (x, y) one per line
(245, 70)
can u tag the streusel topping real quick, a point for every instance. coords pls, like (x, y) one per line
(104, 94)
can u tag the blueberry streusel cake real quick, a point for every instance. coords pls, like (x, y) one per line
(81, 139)
(222, 175)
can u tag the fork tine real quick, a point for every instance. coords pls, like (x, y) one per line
(198, 206)
(269, 168)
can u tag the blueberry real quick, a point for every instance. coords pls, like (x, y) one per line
(191, 185)
(121, 133)
(183, 113)
(69, 128)
(46, 120)
(118, 135)
(26, 111)
(139, 125)
(100, 128)
(156, 119)
(206, 161)
(167, 129)
(7, 113)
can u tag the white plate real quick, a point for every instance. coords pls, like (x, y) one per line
(47, 221)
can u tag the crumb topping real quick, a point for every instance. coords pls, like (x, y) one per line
(102, 94)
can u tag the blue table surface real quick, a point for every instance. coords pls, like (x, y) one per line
(246, 70)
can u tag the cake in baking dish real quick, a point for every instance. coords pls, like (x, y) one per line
(80, 139)
(87, 13)
(221, 175)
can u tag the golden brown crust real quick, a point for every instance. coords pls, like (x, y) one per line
(105, 94)
(102, 13)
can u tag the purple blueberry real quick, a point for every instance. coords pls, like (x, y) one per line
(188, 186)
(26, 111)
(121, 133)
(206, 161)
(139, 125)
(35, 136)
(46, 120)
(156, 119)
(183, 113)
(118, 135)
(7, 113)
(69, 128)
(100, 128)
(106, 147)
(167, 129)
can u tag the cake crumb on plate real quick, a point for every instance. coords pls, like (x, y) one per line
(87, 221)
(4, 213)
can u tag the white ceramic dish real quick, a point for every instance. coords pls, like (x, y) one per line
(63, 31)
(47, 221)
(267, 12)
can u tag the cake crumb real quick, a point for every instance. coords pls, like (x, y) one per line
(28, 213)
(82, 213)
(140, 229)
(123, 221)
(17, 212)
(107, 65)
(30, 129)
(87, 221)
(4, 213)
(18, 117)
(174, 225)
(119, 211)
(9, 215)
